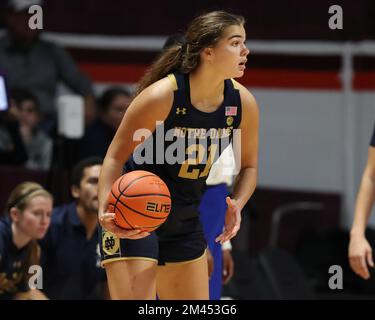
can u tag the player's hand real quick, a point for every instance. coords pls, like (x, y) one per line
(360, 256)
(228, 266)
(232, 221)
(210, 262)
(107, 221)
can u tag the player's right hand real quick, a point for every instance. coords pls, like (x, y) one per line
(360, 256)
(107, 221)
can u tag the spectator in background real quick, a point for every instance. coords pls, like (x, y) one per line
(98, 135)
(12, 149)
(38, 65)
(70, 257)
(37, 144)
(112, 105)
(28, 217)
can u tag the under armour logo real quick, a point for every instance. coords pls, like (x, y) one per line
(181, 110)
(109, 243)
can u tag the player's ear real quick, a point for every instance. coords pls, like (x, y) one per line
(76, 192)
(207, 53)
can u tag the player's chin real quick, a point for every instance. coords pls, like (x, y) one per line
(238, 74)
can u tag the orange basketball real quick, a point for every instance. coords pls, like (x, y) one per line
(140, 200)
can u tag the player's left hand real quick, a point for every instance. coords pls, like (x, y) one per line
(228, 266)
(232, 221)
(210, 262)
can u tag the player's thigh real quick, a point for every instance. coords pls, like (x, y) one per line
(183, 280)
(132, 279)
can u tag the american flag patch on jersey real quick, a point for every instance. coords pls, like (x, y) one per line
(230, 111)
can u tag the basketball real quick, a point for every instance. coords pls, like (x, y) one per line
(140, 200)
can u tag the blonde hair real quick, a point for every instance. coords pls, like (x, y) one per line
(23, 193)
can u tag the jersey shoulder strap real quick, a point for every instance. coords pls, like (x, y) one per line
(233, 106)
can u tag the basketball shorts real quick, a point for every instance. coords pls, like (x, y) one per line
(179, 239)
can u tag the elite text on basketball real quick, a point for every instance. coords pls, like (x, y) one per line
(158, 207)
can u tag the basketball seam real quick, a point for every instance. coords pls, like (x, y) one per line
(149, 227)
(121, 193)
(146, 194)
(117, 198)
(133, 181)
(142, 214)
(125, 219)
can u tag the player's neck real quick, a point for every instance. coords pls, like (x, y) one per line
(206, 88)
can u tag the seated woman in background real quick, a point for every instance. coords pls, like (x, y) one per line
(28, 217)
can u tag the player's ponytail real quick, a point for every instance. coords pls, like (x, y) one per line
(168, 61)
(204, 31)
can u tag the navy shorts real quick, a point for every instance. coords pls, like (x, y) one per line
(179, 239)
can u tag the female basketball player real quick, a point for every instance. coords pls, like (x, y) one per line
(213, 207)
(360, 252)
(190, 89)
(29, 213)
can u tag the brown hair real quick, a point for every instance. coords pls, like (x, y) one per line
(204, 31)
(20, 198)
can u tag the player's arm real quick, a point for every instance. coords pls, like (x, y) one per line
(151, 105)
(366, 197)
(360, 252)
(245, 182)
(246, 153)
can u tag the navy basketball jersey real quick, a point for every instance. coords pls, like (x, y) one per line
(12, 260)
(372, 142)
(189, 141)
